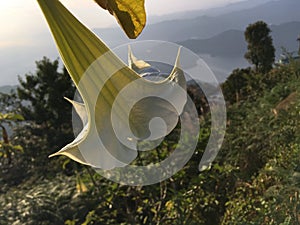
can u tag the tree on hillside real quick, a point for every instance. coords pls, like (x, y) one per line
(261, 51)
(235, 87)
(47, 114)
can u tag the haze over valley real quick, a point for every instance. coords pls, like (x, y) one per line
(216, 34)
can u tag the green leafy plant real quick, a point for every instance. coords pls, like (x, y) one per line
(7, 150)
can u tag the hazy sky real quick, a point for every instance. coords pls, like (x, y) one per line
(21, 18)
(22, 25)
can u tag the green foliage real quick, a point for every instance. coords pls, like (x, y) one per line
(6, 148)
(10, 117)
(264, 146)
(9, 152)
(261, 51)
(47, 114)
(254, 179)
(238, 85)
(45, 91)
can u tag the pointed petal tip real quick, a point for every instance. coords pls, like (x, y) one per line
(69, 100)
(130, 61)
(54, 154)
(134, 63)
(177, 62)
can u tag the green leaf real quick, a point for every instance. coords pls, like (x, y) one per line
(14, 117)
(130, 14)
(11, 116)
(18, 148)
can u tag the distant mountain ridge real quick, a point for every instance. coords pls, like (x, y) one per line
(6, 89)
(216, 11)
(205, 27)
(218, 37)
(232, 43)
(227, 44)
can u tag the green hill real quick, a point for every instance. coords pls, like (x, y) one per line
(254, 180)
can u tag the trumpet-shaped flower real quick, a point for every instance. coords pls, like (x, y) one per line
(120, 107)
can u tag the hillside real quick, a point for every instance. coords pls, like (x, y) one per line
(254, 180)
